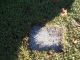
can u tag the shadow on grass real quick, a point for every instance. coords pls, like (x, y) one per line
(17, 17)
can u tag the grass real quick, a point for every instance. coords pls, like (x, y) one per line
(17, 17)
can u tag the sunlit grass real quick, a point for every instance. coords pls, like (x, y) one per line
(72, 50)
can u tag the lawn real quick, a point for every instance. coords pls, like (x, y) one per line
(17, 17)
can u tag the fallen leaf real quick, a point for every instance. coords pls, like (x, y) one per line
(63, 12)
(75, 41)
(49, 52)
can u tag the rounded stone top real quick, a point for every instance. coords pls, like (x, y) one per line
(45, 38)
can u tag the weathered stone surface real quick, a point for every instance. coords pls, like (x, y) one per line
(46, 38)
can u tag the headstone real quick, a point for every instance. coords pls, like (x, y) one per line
(46, 38)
